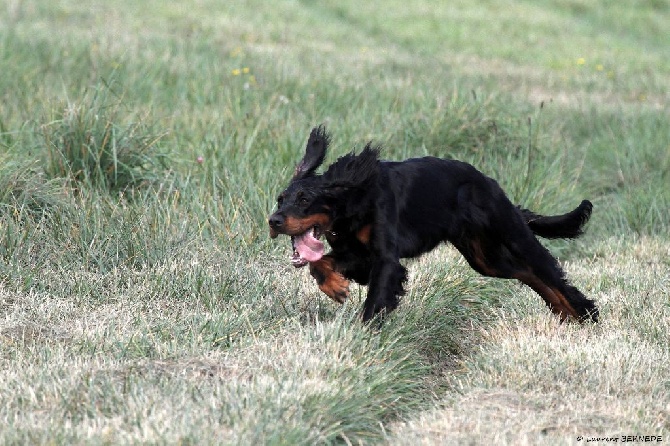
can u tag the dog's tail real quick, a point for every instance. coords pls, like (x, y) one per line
(568, 225)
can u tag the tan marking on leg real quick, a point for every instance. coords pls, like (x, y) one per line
(334, 284)
(556, 301)
(480, 259)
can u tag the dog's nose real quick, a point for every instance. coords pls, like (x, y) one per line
(276, 221)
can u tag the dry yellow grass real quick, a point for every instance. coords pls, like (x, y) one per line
(534, 381)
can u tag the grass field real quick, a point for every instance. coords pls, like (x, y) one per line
(142, 146)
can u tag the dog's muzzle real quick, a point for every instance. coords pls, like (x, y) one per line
(276, 221)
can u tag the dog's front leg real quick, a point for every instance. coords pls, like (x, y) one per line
(330, 281)
(387, 275)
(386, 287)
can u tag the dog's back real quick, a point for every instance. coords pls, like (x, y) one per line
(439, 199)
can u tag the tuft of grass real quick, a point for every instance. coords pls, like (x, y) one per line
(89, 143)
(24, 189)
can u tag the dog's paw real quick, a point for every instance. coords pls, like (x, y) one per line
(330, 281)
(336, 287)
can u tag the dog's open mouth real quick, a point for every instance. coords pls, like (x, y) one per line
(307, 247)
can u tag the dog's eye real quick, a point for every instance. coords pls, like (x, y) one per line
(301, 198)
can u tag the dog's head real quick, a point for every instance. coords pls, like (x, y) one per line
(307, 208)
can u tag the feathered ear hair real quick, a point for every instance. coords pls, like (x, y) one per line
(354, 171)
(315, 153)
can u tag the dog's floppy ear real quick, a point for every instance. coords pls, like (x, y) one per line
(315, 153)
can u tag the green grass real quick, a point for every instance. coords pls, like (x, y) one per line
(85, 144)
(142, 146)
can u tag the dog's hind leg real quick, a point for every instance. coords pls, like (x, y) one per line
(529, 262)
(565, 302)
(543, 274)
(540, 270)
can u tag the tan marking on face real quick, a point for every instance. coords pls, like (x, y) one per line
(297, 226)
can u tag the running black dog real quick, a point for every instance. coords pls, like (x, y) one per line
(373, 213)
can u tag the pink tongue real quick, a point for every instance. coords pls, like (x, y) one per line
(309, 247)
